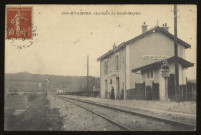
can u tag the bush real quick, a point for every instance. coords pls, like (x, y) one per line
(10, 119)
(39, 117)
(33, 96)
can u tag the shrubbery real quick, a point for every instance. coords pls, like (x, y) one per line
(39, 117)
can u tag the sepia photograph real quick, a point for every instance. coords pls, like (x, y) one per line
(129, 67)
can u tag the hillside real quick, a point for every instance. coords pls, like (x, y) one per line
(24, 81)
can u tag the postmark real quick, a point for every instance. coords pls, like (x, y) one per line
(19, 23)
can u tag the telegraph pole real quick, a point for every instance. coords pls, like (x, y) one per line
(176, 55)
(87, 75)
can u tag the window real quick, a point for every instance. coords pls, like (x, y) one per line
(123, 60)
(117, 62)
(106, 67)
(150, 74)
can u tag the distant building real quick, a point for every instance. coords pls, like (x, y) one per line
(132, 63)
(60, 91)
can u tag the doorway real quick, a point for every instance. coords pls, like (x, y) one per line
(117, 88)
(106, 89)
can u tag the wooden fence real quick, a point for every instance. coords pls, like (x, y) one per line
(138, 92)
(142, 92)
(187, 92)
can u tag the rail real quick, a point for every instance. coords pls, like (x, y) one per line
(104, 117)
(173, 122)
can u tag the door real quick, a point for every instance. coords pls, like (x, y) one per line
(155, 90)
(117, 88)
(171, 87)
(148, 93)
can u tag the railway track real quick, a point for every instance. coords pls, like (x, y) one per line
(108, 112)
(100, 115)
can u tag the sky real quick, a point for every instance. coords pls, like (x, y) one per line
(62, 42)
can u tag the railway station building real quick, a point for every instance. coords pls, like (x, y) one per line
(133, 68)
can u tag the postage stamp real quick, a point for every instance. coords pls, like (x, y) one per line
(19, 22)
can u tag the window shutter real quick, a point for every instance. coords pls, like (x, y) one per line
(151, 73)
(115, 62)
(107, 66)
(104, 67)
(120, 61)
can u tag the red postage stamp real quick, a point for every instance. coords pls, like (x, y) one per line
(19, 22)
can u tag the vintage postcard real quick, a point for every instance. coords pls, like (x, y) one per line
(100, 67)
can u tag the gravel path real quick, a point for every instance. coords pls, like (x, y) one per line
(78, 119)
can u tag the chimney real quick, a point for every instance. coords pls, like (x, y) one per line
(144, 28)
(165, 27)
(114, 46)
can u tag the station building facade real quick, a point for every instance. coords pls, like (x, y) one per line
(127, 64)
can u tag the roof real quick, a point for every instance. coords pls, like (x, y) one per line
(155, 29)
(183, 62)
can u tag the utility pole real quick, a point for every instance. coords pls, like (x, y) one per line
(87, 75)
(176, 55)
(47, 81)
